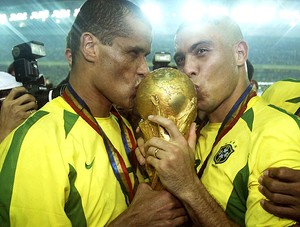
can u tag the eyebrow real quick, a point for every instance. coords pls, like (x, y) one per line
(194, 46)
(138, 49)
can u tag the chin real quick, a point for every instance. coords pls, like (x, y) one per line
(201, 106)
(126, 106)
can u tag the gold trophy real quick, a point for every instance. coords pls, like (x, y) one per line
(169, 93)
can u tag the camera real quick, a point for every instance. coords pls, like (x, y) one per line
(25, 64)
(27, 71)
(161, 59)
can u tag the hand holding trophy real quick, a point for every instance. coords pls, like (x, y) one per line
(169, 93)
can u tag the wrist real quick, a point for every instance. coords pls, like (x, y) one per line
(190, 191)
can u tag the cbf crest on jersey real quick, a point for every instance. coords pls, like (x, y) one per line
(223, 154)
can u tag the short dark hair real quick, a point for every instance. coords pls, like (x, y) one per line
(105, 19)
(68, 40)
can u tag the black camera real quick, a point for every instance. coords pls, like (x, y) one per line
(25, 64)
(27, 71)
(161, 59)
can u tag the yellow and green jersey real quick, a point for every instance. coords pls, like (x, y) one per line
(284, 94)
(264, 136)
(55, 171)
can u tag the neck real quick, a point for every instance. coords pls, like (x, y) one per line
(98, 104)
(219, 114)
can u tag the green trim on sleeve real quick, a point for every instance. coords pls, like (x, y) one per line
(236, 206)
(7, 175)
(291, 80)
(73, 206)
(297, 119)
(294, 100)
(248, 117)
(69, 121)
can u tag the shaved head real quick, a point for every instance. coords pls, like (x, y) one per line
(227, 26)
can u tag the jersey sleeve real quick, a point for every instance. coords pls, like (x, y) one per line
(32, 174)
(278, 146)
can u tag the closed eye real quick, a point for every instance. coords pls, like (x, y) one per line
(137, 52)
(133, 53)
(179, 60)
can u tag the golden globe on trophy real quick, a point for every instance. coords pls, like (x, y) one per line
(169, 93)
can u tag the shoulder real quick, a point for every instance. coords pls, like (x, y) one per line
(270, 113)
(282, 90)
(52, 120)
(282, 87)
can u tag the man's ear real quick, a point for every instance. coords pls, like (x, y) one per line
(88, 46)
(242, 53)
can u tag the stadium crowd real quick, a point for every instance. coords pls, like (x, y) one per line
(274, 58)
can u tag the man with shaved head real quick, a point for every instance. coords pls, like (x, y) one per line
(242, 138)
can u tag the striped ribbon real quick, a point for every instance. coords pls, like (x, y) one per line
(230, 120)
(117, 163)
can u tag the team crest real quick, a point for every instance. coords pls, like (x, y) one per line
(223, 154)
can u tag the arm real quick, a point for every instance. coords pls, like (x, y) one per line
(152, 208)
(281, 186)
(15, 110)
(175, 166)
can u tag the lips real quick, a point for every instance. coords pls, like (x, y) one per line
(133, 94)
(197, 90)
(200, 94)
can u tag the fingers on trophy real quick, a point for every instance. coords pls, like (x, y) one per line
(169, 93)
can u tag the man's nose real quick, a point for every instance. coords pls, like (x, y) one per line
(190, 66)
(143, 68)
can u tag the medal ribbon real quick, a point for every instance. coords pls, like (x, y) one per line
(230, 120)
(117, 163)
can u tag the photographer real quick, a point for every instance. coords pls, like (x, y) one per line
(26, 70)
(16, 104)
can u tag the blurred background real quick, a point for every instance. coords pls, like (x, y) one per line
(271, 28)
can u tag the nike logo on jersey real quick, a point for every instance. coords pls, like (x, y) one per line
(88, 166)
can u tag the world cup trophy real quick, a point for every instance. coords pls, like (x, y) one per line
(169, 93)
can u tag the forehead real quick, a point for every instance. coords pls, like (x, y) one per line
(196, 33)
(140, 32)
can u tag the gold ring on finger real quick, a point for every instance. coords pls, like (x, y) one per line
(155, 152)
